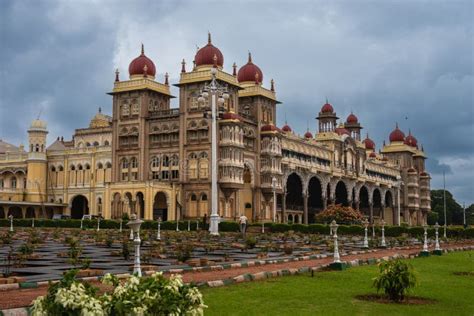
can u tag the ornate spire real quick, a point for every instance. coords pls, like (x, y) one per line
(100, 109)
(396, 125)
(143, 49)
(209, 41)
(234, 69)
(384, 143)
(250, 58)
(117, 79)
(183, 66)
(327, 101)
(145, 70)
(166, 79)
(272, 85)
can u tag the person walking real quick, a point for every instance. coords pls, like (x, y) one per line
(243, 224)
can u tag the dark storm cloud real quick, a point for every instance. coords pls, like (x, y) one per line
(409, 62)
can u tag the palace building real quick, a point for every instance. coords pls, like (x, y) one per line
(154, 160)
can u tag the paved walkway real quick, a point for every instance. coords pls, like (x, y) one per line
(23, 297)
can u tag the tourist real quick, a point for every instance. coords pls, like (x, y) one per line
(243, 224)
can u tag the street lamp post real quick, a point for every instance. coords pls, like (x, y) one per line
(382, 242)
(158, 233)
(11, 222)
(425, 239)
(334, 227)
(218, 94)
(134, 225)
(98, 221)
(437, 247)
(121, 220)
(366, 240)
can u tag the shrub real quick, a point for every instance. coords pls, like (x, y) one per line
(183, 251)
(341, 214)
(395, 279)
(250, 242)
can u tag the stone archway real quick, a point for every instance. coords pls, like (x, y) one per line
(315, 200)
(160, 206)
(30, 212)
(79, 207)
(377, 203)
(341, 194)
(15, 211)
(140, 205)
(391, 214)
(364, 206)
(294, 192)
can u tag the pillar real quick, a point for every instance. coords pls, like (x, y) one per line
(382, 206)
(325, 202)
(371, 212)
(357, 205)
(283, 206)
(305, 207)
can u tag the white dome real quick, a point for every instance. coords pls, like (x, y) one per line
(38, 125)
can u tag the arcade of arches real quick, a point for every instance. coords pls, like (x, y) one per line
(302, 200)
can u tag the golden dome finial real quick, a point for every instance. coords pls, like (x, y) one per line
(209, 41)
(143, 49)
(250, 57)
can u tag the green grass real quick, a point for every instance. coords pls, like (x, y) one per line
(333, 293)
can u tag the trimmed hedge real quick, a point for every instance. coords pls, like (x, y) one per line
(390, 231)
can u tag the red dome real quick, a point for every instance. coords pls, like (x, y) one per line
(286, 128)
(369, 144)
(269, 128)
(397, 135)
(352, 119)
(138, 64)
(342, 131)
(327, 108)
(410, 140)
(250, 72)
(205, 56)
(373, 155)
(308, 135)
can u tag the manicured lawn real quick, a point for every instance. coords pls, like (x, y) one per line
(333, 293)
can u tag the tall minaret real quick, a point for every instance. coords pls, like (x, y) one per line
(37, 162)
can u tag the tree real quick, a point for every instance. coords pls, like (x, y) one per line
(454, 211)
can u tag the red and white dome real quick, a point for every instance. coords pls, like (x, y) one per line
(205, 55)
(369, 143)
(286, 128)
(250, 72)
(308, 135)
(327, 108)
(142, 64)
(397, 135)
(352, 119)
(410, 140)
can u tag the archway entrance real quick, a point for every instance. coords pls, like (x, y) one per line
(315, 201)
(140, 206)
(160, 207)
(390, 213)
(247, 194)
(294, 193)
(117, 206)
(341, 194)
(30, 212)
(364, 207)
(377, 199)
(79, 207)
(15, 211)
(2, 212)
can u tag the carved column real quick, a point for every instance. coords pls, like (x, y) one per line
(283, 206)
(371, 212)
(325, 202)
(305, 207)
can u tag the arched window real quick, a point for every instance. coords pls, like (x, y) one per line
(155, 162)
(204, 197)
(53, 169)
(88, 144)
(96, 144)
(13, 183)
(79, 167)
(72, 168)
(193, 197)
(106, 143)
(166, 161)
(108, 165)
(134, 162)
(100, 166)
(174, 160)
(88, 167)
(124, 163)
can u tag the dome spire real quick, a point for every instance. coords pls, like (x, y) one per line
(166, 79)
(234, 69)
(143, 49)
(209, 41)
(117, 79)
(183, 66)
(272, 85)
(250, 58)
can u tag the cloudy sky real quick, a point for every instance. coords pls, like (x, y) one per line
(409, 62)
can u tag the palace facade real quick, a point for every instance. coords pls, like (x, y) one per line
(154, 160)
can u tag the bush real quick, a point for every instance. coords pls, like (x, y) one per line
(395, 279)
(250, 242)
(341, 214)
(155, 295)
